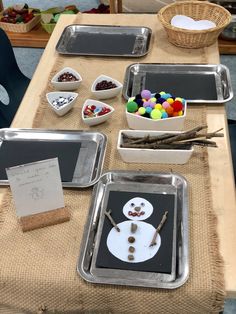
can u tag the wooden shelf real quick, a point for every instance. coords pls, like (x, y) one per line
(227, 46)
(36, 38)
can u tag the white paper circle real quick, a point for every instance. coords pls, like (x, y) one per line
(144, 205)
(118, 245)
(181, 21)
(204, 24)
(187, 22)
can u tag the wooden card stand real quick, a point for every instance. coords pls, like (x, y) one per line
(44, 219)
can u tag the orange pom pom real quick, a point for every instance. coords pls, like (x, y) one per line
(170, 111)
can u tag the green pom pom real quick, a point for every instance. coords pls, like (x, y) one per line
(132, 106)
(142, 110)
(156, 114)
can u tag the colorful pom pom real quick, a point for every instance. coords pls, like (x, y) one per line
(146, 94)
(132, 106)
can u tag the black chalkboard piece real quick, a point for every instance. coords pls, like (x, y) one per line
(189, 86)
(14, 153)
(99, 43)
(162, 261)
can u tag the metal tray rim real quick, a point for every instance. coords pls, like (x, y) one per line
(104, 55)
(196, 101)
(64, 131)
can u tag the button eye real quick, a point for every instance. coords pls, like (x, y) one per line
(132, 205)
(142, 204)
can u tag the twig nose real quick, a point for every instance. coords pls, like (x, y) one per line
(137, 208)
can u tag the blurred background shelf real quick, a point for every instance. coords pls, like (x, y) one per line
(227, 46)
(36, 38)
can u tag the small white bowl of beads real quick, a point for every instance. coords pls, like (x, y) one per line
(105, 87)
(66, 79)
(95, 112)
(156, 111)
(61, 102)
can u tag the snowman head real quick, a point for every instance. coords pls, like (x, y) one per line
(138, 209)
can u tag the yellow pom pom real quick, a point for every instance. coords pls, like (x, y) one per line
(170, 100)
(178, 98)
(158, 106)
(141, 110)
(155, 114)
(153, 99)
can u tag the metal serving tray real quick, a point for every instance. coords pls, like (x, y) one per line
(105, 40)
(136, 182)
(197, 83)
(91, 154)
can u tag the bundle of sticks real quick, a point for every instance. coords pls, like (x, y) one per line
(183, 140)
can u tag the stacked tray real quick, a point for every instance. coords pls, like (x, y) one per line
(167, 267)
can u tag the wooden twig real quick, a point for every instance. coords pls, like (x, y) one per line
(158, 229)
(108, 214)
(159, 146)
(205, 143)
(181, 141)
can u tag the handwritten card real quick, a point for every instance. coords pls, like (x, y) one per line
(36, 187)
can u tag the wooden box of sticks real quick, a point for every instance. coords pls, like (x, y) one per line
(163, 147)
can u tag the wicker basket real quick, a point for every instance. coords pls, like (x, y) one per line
(197, 10)
(21, 27)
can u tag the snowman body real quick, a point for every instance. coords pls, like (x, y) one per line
(132, 243)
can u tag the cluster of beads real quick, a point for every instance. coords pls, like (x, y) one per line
(134, 214)
(67, 77)
(62, 101)
(156, 106)
(105, 85)
(92, 111)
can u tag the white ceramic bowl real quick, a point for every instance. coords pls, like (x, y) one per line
(71, 85)
(62, 109)
(138, 122)
(106, 93)
(140, 155)
(98, 119)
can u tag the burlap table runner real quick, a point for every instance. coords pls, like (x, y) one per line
(38, 268)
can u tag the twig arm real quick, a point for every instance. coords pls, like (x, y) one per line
(158, 229)
(108, 214)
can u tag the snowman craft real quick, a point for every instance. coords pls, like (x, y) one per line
(134, 240)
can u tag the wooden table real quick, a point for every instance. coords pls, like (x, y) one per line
(222, 182)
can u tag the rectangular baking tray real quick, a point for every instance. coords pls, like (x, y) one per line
(104, 40)
(91, 155)
(197, 83)
(137, 182)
